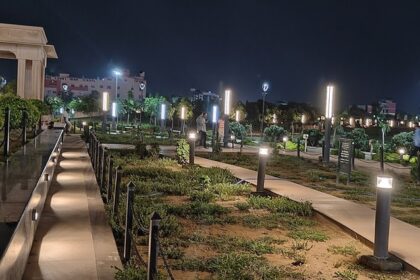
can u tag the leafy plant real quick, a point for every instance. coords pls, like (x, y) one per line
(360, 138)
(274, 132)
(182, 151)
(16, 106)
(402, 140)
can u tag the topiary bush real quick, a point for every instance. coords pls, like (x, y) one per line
(16, 105)
(314, 135)
(238, 130)
(360, 138)
(402, 140)
(42, 107)
(182, 151)
(274, 132)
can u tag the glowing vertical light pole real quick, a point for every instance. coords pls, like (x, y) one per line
(226, 112)
(183, 116)
(214, 125)
(162, 116)
(328, 117)
(105, 100)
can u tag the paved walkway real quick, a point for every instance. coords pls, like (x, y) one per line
(404, 238)
(73, 239)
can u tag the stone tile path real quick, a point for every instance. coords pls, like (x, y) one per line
(73, 239)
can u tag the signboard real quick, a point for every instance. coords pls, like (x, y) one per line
(345, 156)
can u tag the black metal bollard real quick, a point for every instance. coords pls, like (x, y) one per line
(262, 162)
(24, 124)
(382, 218)
(153, 246)
(381, 149)
(6, 132)
(103, 168)
(117, 189)
(109, 186)
(298, 147)
(128, 221)
(192, 147)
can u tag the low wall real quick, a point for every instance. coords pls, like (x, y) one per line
(25, 181)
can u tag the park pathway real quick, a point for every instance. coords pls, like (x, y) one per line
(356, 218)
(73, 239)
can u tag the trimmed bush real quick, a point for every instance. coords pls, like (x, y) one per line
(16, 105)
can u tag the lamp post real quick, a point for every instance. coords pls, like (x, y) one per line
(162, 116)
(192, 137)
(115, 120)
(262, 162)
(265, 88)
(114, 111)
(232, 139)
(226, 118)
(328, 116)
(183, 116)
(237, 116)
(105, 99)
(214, 123)
(285, 139)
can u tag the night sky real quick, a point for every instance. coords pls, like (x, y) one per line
(368, 49)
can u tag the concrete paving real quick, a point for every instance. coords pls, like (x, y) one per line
(356, 218)
(73, 239)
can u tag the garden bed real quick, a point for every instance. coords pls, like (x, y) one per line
(309, 173)
(212, 228)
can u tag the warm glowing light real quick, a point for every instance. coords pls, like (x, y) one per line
(227, 102)
(328, 107)
(368, 122)
(237, 116)
(410, 124)
(384, 182)
(72, 111)
(232, 137)
(391, 123)
(303, 119)
(183, 113)
(192, 135)
(263, 151)
(105, 101)
(214, 116)
(401, 151)
(84, 123)
(114, 109)
(285, 139)
(162, 111)
(351, 121)
(274, 118)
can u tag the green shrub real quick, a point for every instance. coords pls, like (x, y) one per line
(273, 133)
(42, 107)
(314, 136)
(242, 206)
(360, 138)
(308, 234)
(238, 130)
(226, 190)
(402, 140)
(154, 150)
(182, 151)
(16, 105)
(141, 149)
(202, 196)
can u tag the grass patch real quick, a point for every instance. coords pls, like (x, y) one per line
(280, 205)
(308, 234)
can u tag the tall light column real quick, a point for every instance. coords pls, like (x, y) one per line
(115, 120)
(162, 116)
(328, 116)
(214, 126)
(105, 100)
(226, 136)
(183, 116)
(265, 88)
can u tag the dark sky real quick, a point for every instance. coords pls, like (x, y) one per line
(368, 49)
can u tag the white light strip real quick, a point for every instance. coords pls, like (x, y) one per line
(114, 109)
(214, 117)
(182, 113)
(328, 107)
(163, 112)
(237, 116)
(227, 102)
(105, 101)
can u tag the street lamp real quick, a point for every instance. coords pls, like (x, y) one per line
(382, 219)
(116, 73)
(226, 117)
(274, 118)
(328, 116)
(265, 87)
(237, 116)
(105, 100)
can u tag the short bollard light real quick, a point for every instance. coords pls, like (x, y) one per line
(232, 139)
(285, 139)
(380, 259)
(401, 151)
(262, 162)
(192, 137)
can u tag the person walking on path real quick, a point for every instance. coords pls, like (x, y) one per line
(201, 128)
(66, 119)
(416, 142)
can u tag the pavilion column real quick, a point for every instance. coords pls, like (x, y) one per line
(36, 79)
(21, 77)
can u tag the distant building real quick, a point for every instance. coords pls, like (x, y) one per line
(388, 107)
(206, 96)
(55, 85)
(367, 108)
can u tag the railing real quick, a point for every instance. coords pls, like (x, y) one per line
(109, 180)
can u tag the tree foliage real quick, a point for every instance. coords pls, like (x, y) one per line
(274, 133)
(16, 106)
